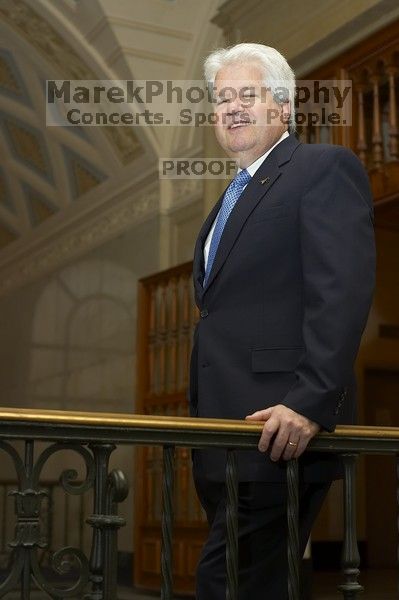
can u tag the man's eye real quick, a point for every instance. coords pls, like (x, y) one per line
(222, 100)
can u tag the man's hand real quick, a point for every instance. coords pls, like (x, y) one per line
(292, 430)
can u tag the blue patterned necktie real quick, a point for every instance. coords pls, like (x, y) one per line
(231, 196)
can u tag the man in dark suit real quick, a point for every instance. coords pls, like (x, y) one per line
(284, 274)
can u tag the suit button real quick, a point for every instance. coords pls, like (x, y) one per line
(204, 313)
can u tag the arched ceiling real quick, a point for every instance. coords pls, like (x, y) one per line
(42, 170)
(47, 173)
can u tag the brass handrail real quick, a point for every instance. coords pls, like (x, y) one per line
(177, 423)
(94, 436)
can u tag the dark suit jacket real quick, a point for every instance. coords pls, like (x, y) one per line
(286, 301)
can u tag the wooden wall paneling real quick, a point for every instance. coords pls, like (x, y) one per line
(166, 319)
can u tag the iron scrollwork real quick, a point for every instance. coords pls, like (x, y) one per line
(29, 538)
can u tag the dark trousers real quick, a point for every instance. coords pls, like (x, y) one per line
(262, 535)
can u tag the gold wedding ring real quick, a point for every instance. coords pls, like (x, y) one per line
(292, 444)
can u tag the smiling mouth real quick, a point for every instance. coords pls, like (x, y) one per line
(239, 124)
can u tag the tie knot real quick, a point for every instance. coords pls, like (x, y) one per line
(241, 179)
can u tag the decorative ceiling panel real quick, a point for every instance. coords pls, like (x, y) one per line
(6, 235)
(82, 175)
(27, 144)
(5, 194)
(11, 81)
(69, 65)
(39, 207)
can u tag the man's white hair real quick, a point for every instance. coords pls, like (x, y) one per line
(277, 73)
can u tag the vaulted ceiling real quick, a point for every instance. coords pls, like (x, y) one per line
(49, 173)
(42, 170)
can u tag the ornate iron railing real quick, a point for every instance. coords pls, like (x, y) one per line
(94, 436)
(58, 511)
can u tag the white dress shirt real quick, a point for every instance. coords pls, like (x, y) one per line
(251, 170)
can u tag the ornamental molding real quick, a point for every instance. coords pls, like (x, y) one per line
(147, 54)
(230, 14)
(79, 236)
(186, 191)
(109, 20)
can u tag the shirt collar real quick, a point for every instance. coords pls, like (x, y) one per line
(257, 163)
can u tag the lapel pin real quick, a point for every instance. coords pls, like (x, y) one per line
(265, 180)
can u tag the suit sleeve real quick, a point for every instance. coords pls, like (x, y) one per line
(338, 265)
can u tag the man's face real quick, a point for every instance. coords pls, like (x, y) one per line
(249, 120)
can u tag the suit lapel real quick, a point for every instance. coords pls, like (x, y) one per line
(257, 188)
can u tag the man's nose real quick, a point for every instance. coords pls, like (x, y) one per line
(235, 105)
